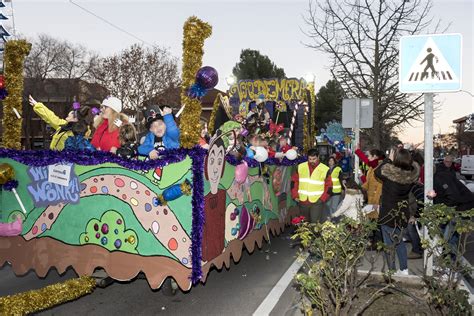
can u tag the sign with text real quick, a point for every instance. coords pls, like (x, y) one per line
(288, 89)
(59, 174)
(54, 184)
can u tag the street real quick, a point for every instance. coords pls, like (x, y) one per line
(237, 291)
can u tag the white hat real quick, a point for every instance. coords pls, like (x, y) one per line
(113, 103)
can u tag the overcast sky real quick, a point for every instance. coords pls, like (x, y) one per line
(273, 27)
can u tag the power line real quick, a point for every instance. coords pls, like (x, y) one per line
(111, 24)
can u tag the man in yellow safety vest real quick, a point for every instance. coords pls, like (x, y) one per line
(335, 172)
(310, 188)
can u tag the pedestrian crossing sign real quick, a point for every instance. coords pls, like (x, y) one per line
(430, 63)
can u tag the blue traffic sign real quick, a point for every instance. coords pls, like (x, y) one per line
(430, 63)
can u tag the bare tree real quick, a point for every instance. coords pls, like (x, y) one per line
(138, 74)
(362, 38)
(54, 58)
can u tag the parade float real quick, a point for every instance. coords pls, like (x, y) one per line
(171, 218)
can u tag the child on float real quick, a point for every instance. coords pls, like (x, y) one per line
(78, 141)
(128, 142)
(107, 124)
(163, 133)
(62, 127)
(204, 138)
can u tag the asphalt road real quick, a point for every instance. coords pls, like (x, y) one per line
(237, 291)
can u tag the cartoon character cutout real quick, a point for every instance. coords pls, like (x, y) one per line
(215, 201)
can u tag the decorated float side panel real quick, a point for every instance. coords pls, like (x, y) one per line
(128, 221)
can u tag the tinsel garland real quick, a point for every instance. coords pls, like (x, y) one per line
(15, 53)
(39, 158)
(195, 32)
(252, 163)
(197, 156)
(9, 185)
(47, 297)
(212, 119)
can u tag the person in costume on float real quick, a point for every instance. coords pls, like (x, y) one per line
(311, 186)
(128, 142)
(106, 136)
(335, 172)
(62, 127)
(163, 133)
(78, 141)
(214, 202)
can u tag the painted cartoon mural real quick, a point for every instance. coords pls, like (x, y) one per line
(127, 214)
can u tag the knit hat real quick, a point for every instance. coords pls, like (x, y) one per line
(113, 103)
(153, 114)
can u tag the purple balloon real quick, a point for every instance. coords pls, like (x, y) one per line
(76, 106)
(207, 77)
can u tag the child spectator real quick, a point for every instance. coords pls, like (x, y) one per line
(352, 203)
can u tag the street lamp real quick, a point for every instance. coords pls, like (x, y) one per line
(309, 77)
(230, 80)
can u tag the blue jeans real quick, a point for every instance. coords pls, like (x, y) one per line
(390, 236)
(414, 238)
(453, 236)
(333, 203)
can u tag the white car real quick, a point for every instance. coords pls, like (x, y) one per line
(468, 184)
(467, 166)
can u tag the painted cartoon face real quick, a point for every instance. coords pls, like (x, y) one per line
(158, 128)
(215, 165)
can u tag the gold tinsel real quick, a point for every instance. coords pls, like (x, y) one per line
(47, 297)
(15, 53)
(195, 32)
(186, 188)
(309, 139)
(212, 119)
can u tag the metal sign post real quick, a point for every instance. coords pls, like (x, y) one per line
(430, 63)
(357, 140)
(428, 260)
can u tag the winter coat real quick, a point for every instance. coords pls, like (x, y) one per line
(61, 126)
(373, 187)
(351, 204)
(397, 184)
(103, 139)
(170, 138)
(450, 191)
(78, 142)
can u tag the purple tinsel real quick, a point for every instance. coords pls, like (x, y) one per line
(9, 185)
(87, 158)
(252, 163)
(3, 93)
(197, 155)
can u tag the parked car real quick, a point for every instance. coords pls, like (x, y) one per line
(467, 166)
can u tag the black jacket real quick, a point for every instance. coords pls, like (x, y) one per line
(450, 191)
(397, 184)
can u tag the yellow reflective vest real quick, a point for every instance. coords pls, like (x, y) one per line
(336, 184)
(311, 186)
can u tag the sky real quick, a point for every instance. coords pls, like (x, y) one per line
(274, 27)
